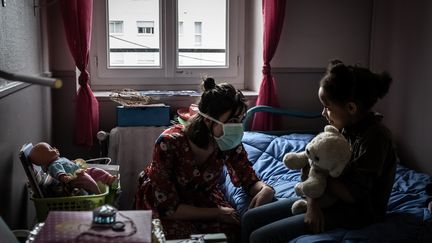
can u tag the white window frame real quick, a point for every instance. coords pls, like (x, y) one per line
(117, 22)
(198, 34)
(144, 22)
(168, 76)
(181, 28)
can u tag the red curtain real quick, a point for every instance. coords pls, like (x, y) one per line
(273, 17)
(77, 20)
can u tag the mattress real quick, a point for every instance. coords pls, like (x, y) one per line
(408, 218)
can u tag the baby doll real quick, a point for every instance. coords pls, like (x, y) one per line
(66, 171)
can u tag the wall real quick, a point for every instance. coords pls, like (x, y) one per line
(313, 33)
(384, 34)
(25, 113)
(402, 40)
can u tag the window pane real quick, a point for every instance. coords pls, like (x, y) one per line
(145, 27)
(116, 27)
(198, 26)
(138, 22)
(180, 28)
(203, 24)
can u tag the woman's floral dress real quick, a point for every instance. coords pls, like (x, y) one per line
(172, 178)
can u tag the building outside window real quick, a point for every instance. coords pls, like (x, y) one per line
(116, 27)
(198, 33)
(168, 47)
(180, 28)
(145, 27)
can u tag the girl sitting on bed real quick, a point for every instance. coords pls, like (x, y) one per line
(347, 94)
(181, 183)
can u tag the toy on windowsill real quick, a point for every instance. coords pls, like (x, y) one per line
(68, 172)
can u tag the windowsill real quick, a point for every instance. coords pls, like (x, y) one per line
(5, 91)
(174, 101)
(105, 95)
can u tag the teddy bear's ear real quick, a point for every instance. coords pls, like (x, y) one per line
(330, 128)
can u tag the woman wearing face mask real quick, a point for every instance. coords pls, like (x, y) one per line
(180, 185)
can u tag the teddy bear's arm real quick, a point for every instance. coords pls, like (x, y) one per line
(315, 185)
(295, 161)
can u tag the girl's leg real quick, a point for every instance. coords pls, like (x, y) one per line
(281, 231)
(263, 215)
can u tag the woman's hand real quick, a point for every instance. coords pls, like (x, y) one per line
(264, 196)
(314, 216)
(228, 216)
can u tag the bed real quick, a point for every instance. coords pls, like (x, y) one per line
(408, 218)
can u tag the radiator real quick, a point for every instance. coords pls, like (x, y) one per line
(131, 148)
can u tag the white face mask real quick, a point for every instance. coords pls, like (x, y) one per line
(232, 133)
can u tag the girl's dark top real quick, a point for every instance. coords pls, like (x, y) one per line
(369, 176)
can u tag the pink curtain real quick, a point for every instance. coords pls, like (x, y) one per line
(77, 20)
(273, 16)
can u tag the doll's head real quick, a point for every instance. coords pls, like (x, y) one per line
(43, 154)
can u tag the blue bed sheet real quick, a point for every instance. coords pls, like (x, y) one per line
(406, 215)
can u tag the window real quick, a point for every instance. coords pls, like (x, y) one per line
(145, 27)
(146, 58)
(116, 27)
(198, 32)
(168, 44)
(180, 28)
(117, 58)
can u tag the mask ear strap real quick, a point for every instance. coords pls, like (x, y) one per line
(209, 117)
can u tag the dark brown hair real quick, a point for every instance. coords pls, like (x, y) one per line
(216, 99)
(356, 84)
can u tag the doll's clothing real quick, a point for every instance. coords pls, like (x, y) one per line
(101, 175)
(86, 182)
(62, 166)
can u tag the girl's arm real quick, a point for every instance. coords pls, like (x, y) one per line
(314, 216)
(339, 190)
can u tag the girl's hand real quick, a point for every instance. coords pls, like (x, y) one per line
(314, 216)
(228, 216)
(264, 196)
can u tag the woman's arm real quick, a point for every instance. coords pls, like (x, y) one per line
(220, 214)
(257, 187)
(243, 174)
(261, 193)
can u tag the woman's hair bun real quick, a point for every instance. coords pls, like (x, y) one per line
(208, 83)
(383, 84)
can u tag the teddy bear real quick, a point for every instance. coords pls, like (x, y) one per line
(326, 154)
